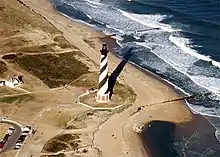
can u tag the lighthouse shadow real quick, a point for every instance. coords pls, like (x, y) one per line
(114, 75)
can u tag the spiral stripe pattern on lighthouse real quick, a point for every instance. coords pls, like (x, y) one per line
(103, 77)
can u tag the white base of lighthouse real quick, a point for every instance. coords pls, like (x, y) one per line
(102, 98)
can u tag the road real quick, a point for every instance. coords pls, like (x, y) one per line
(14, 137)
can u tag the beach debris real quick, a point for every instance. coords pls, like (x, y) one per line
(138, 128)
(113, 136)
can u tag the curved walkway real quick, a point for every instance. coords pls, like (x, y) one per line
(95, 108)
(14, 137)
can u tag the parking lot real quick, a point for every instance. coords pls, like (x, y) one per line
(12, 138)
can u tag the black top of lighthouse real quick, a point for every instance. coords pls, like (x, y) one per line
(104, 50)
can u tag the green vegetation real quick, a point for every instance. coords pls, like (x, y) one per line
(74, 145)
(53, 70)
(17, 99)
(67, 137)
(70, 127)
(58, 155)
(54, 146)
(61, 142)
(88, 80)
(122, 92)
(84, 150)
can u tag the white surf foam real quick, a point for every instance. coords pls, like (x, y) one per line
(96, 2)
(88, 16)
(206, 113)
(94, 6)
(117, 30)
(211, 84)
(182, 44)
(152, 21)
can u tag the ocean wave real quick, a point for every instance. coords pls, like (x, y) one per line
(96, 2)
(152, 21)
(209, 83)
(174, 50)
(182, 42)
(181, 11)
(94, 6)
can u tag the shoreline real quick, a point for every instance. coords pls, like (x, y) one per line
(187, 111)
(198, 117)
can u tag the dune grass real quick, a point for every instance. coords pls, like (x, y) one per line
(53, 70)
(17, 99)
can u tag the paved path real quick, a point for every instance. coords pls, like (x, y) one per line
(14, 137)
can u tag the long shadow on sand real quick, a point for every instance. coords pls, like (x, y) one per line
(113, 77)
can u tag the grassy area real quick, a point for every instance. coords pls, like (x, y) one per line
(74, 145)
(53, 70)
(54, 146)
(3, 67)
(59, 155)
(17, 99)
(90, 99)
(67, 137)
(60, 142)
(88, 81)
(3, 130)
(121, 91)
(70, 127)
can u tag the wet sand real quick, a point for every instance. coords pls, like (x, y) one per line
(167, 139)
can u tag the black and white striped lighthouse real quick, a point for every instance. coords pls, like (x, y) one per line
(103, 94)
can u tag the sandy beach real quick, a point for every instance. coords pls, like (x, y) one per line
(116, 137)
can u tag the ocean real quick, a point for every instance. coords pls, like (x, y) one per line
(177, 40)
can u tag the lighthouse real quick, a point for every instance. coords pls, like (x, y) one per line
(103, 94)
